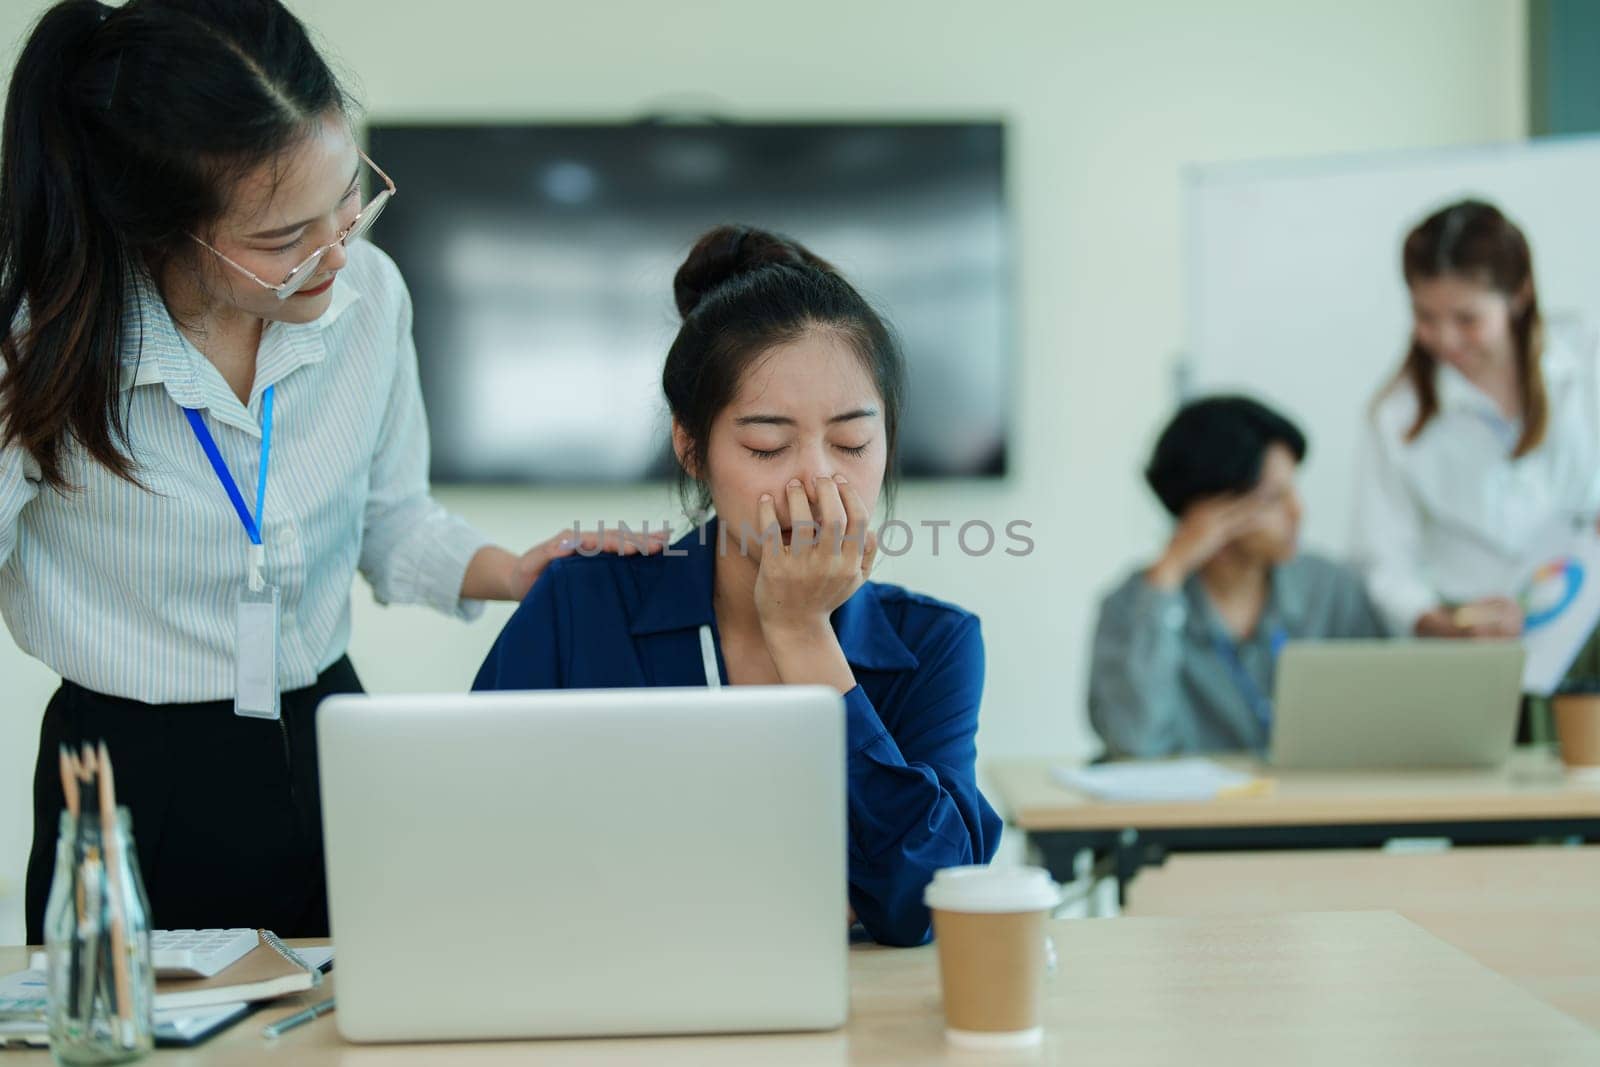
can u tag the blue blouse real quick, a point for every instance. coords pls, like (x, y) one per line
(911, 721)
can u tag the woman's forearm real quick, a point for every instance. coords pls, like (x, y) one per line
(488, 575)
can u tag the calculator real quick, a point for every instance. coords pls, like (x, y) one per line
(198, 953)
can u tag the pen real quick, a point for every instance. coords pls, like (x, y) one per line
(298, 1018)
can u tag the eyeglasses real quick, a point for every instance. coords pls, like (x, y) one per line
(300, 275)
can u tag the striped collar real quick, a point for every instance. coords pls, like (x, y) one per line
(155, 352)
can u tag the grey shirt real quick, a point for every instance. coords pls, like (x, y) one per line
(1160, 684)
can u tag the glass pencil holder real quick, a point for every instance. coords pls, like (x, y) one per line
(97, 939)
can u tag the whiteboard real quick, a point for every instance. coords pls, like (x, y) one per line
(1295, 291)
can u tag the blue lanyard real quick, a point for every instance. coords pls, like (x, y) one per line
(1259, 702)
(252, 526)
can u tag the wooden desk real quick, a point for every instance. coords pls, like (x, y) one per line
(1366, 987)
(1531, 797)
(1531, 914)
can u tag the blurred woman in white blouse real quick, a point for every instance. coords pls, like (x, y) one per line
(1482, 457)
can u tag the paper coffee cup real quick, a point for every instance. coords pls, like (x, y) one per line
(989, 925)
(1577, 720)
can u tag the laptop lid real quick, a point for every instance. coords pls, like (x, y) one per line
(576, 863)
(1353, 704)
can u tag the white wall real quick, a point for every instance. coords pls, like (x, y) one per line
(1107, 102)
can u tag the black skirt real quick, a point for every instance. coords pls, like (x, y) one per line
(227, 811)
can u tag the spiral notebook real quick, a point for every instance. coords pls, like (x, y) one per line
(267, 972)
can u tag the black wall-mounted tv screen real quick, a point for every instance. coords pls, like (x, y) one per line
(540, 261)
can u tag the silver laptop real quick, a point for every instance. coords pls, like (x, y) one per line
(583, 863)
(1354, 704)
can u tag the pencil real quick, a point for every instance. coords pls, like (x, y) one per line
(69, 781)
(69, 788)
(89, 891)
(119, 933)
(71, 777)
(92, 878)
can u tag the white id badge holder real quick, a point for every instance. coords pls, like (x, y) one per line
(256, 694)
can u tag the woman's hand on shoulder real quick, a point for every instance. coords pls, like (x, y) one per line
(495, 574)
(587, 542)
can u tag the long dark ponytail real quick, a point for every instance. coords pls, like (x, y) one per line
(125, 129)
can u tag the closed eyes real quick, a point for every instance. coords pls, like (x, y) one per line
(773, 453)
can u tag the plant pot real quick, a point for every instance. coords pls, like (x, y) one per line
(1577, 718)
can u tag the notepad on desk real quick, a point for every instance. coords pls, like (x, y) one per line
(187, 1010)
(267, 972)
(24, 1001)
(1191, 778)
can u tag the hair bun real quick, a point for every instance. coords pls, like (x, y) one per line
(726, 252)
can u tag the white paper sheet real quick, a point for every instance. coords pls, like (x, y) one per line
(1192, 778)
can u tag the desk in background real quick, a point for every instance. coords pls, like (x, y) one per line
(1529, 913)
(1366, 987)
(1528, 799)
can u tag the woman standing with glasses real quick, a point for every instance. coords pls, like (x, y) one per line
(210, 419)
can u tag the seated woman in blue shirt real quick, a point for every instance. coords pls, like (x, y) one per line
(785, 390)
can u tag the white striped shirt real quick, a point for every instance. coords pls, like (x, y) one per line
(133, 593)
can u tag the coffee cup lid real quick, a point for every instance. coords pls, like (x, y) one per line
(992, 889)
